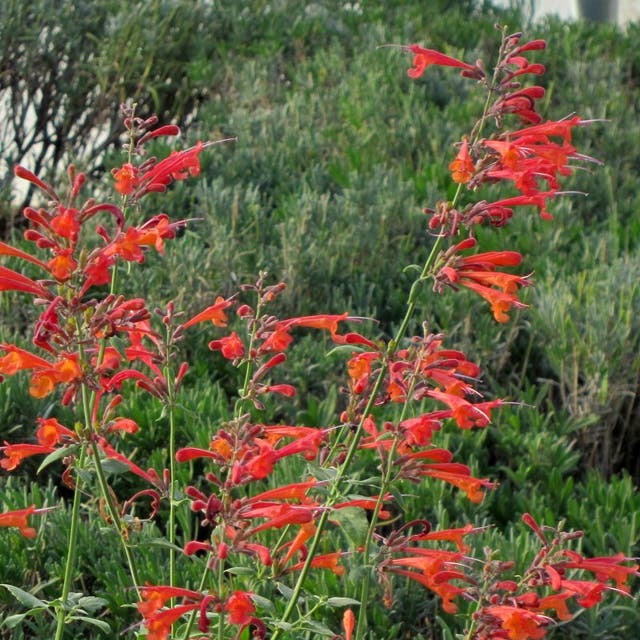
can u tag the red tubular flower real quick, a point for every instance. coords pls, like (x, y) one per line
(463, 167)
(215, 313)
(16, 453)
(17, 359)
(159, 624)
(453, 474)
(604, 568)
(154, 598)
(231, 346)
(19, 519)
(239, 608)
(178, 166)
(478, 273)
(126, 179)
(519, 623)
(424, 58)
(13, 281)
(8, 250)
(50, 432)
(325, 561)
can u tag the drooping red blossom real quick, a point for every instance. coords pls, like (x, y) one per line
(424, 58)
(215, 313)
(16, 453)
(19, 519)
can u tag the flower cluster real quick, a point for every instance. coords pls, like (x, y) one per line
(255, 529)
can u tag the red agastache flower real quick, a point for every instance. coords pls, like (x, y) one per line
(17, 359)
(478, 273)
(432, 563)
(129, 245)
(50, 432)
(278, 515)
(159, 624)
(463, 167)
(519, 623)
(66, 223)
(16, 453)
(178, 166)
(126, 179)
(604, 567)
(62, 265)
(239, 608)
(325, 561)
(452, 535)
(231, 346)
(154, 598)
(151, 475)
(8, 250)
(458, 475)
(64, 370)
(19, 519)
(215, 313)
(13, 281)
(424, 58)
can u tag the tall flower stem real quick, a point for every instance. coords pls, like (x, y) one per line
(71, 550)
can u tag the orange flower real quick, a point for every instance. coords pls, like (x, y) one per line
(16, 453)
(326, 561)
(239, 608)
(348, 624)
(215, 313)
(520, 624)
(462, 168)
(50, 432)
(18, 519)
(13, 281)
(231, 346)
(126, 179)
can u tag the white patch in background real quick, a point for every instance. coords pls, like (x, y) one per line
(628, 10)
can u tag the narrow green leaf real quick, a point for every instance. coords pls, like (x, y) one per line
(101, 624)
(342, 602)
(24, 597)
(58, 454)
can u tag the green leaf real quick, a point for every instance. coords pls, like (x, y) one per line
(318, 628)
(91, 603)
(353, 523)
(342, 602)
(24, 597)
(114, 467)
(56, 455)
(101, 624)
(262, 602)
(11, 621)
(240, 571)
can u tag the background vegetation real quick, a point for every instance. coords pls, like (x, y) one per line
(337, 153)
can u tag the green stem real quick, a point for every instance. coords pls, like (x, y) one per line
(115, 517)
(342, 471)
(192, 615)
(172, 468)
(71, 550)
(384, 487)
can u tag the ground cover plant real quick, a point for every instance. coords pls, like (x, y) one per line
(351, 526)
